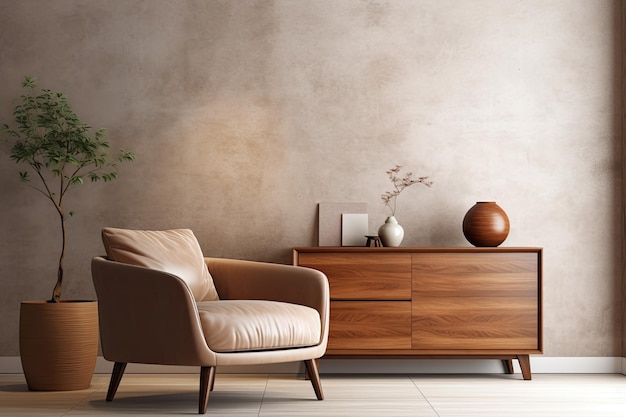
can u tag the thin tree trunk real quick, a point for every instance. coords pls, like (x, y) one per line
(56, 293)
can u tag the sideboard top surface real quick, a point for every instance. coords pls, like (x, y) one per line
(364, 249)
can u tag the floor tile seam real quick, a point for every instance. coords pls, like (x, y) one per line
(432, 407)
(87, 394)
(267, 382)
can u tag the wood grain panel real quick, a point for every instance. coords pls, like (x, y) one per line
(472, 285)
(468, 262)
(475, 323)
(475, 301)
(370, 325)
(363, 276)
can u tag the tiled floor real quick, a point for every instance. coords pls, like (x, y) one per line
(345, 395)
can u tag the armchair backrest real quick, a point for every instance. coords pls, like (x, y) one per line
(174, 251)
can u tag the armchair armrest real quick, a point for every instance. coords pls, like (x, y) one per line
(249, 280)
(147, 316)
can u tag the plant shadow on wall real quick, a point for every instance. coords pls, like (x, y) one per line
(61, 152)
(391, 233)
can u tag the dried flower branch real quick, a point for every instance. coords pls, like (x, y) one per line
(390, 197)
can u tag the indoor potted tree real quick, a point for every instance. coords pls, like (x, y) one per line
(61, 152)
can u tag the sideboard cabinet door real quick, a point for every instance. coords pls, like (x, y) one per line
(467, 301)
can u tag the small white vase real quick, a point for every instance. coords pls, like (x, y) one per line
(391, 233)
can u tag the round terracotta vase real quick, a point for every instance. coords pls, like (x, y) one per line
(486, 224)
(58, 344)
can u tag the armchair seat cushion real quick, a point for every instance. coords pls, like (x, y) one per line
(252, 325)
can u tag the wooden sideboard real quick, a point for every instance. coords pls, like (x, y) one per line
(432, 302)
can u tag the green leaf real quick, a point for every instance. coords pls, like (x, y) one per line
(127, 156)
(29, 82)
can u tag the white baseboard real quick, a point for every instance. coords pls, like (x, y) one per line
(539, 365)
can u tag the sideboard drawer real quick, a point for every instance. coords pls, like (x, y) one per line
(363, 276)
(370, 325)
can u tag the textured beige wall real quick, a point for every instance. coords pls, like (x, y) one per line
(246, 114)
(623, 72)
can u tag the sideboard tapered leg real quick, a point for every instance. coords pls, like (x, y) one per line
(524, 363)
(508, 366)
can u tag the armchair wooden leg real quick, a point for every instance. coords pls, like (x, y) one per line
(116, 377)
(312, 371)
(207, 380)
(212, 381)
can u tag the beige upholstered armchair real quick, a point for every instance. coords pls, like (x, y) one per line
(161, 302)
